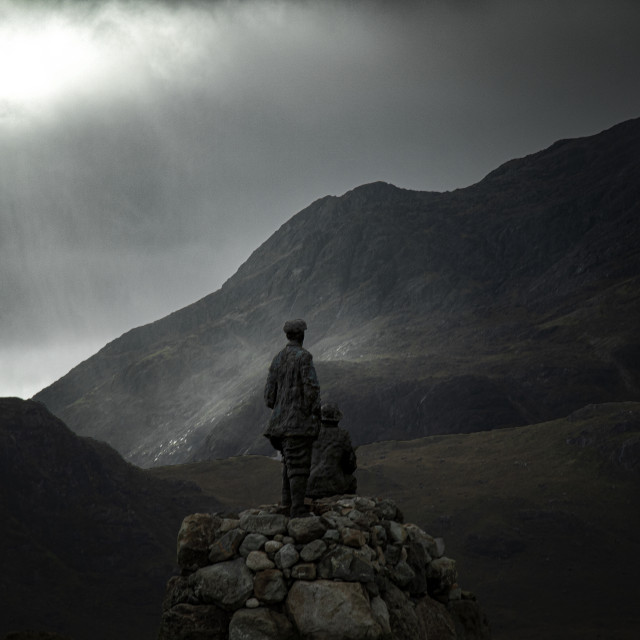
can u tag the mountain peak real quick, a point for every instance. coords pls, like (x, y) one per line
(376, 188)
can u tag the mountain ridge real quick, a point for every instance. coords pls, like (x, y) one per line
(408, 295)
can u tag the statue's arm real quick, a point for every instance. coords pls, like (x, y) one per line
(271, 387)
(311, 386)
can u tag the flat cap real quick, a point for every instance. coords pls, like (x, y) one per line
(295, 326)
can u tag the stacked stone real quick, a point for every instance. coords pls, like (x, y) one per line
(352, 571)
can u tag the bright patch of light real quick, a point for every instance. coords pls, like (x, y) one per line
(50, 55)
(93, 54)
(41, 61)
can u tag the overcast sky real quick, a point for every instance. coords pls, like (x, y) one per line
(147, 147)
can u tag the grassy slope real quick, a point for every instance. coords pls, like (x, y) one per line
(544, 531)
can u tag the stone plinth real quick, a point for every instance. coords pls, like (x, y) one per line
(352, 571)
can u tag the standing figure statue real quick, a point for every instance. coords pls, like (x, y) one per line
(333, 459)
(293, 392)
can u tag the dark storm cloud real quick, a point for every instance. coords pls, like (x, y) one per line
(171, 139)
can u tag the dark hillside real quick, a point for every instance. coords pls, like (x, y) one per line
(86, 539)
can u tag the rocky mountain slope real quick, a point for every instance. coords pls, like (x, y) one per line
(86, 539)
(509, 302)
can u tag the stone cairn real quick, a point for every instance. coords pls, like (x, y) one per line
(351, 571)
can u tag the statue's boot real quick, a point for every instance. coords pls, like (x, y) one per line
(298, 486)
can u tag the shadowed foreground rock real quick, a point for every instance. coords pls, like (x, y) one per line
(352, 571)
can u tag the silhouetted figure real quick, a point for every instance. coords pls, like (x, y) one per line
(333, 458)
(293, 392)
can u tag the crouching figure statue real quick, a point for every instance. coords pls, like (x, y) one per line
(333, 458)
